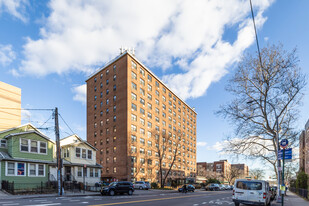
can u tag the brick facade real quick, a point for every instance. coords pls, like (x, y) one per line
(133, 113)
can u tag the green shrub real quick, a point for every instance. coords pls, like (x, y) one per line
(302, 180)
(154, 185)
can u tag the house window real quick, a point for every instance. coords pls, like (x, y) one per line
(89, 154)
(84, 153)
(43, 147)
(96, 173)
(24, 145)
(79, 172)
(2, 143)
(91, 172)
(32, 169)
(21, 169)
(11, 168)
(77, 150)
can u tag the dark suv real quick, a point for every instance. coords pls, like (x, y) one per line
(118, 188)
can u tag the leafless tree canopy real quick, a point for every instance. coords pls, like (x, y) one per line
(257, 173)
(261, 93)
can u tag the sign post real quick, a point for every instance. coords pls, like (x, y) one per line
(283, 144)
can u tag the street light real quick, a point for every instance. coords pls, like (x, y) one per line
(277, 138)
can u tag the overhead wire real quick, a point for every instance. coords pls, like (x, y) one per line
(66, 124)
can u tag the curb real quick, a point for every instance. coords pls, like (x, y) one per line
(47, 196)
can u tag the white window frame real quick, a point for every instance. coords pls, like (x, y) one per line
(29, 146)
(15, 169)
(36, 170)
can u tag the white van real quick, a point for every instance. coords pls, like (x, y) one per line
(251, 192)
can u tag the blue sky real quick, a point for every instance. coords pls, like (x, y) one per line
(49, 48)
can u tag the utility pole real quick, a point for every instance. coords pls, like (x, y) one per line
(59, 163)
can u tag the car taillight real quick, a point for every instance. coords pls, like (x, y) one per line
(264, 195)
(233, 192)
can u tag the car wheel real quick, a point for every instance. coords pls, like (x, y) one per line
(102, 193)
(112, 193)
(140, 188)
(236, 204)
(192, 190)
(130, 192)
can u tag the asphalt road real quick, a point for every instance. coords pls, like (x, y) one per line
(150, 198)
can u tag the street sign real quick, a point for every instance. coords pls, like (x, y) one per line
(287, 154)
(284, 143)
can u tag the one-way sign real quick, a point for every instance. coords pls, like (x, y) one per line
(287, 154)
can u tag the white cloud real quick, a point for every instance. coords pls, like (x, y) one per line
(14, 7)
(79, 35)
(7, 55)
(201, 144)
(80, 93)
(219, 146)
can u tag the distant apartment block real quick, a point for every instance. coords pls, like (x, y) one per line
(131, 114)
(10, 106)
(304, 149)
(220, 170)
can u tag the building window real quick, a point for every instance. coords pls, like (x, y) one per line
(157, 84)
(114, 98)
(107, 81)
(89, 154)
(77, 152)
(142, 72)
(133, 138)
(142, 121)
(142, 92)
(107, 71)
(149, 87)
(115, 149)
(133, 128)
(2, 143)
(133, 65)
(149, 78)
(142, 82)
(149, 96)
(133, 75)
(142, 101)
(134, 107)
(114, 108)
(21, 169)
(79, 171)
(114, 87)
(84, 153)
(133, 117)
(10, 168)
(114, 118)
(142, 111)
(134, 86)
(114, 77)
(115, 169)
(32, 169)
(24, 145)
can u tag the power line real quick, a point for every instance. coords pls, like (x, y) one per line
(46, 120)
(256, 37)
(66, 123)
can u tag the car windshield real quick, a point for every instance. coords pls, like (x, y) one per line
(248, 185)
(113, 184)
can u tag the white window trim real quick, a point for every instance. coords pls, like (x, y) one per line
(15, 169)
(36, 170)
(29, 146)
(81, 153)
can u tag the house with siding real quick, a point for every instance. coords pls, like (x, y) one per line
(26, 156)
(79, 161)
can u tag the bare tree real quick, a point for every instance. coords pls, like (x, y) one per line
(167, 151)
(263, 94)
(231, 175)
(257, 173)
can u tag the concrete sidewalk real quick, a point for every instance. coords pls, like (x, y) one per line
(7, 196)
(292, 200)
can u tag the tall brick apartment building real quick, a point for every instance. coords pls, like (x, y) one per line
(131, 115)
(221, 170)
(304, 149)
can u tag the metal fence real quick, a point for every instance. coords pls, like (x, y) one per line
(45, 187)
(28, 188)
(301, 192)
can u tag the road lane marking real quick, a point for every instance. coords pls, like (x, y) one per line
(45, 204)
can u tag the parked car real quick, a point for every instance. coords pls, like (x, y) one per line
(253, 192)
(148, 185)
(190, 188)
(118, 188)
(212, 187)
(141, 185)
